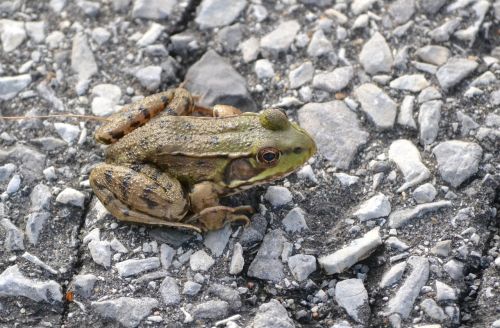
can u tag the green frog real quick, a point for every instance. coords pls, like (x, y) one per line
(167, 163)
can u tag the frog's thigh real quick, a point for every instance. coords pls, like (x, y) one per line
(126, 191)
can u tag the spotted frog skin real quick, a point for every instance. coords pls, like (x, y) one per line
(166, 167)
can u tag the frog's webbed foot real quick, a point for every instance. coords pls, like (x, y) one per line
(213, 218)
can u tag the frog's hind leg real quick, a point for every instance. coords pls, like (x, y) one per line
(140, 194)
(131, 116)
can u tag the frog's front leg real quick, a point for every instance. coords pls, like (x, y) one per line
(141, 194)
(172, 102)
(209, 215)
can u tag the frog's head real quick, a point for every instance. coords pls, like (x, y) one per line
(280, 148)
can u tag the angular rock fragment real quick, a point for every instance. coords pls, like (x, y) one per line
(272, 314)
(376, 207)
(281, 38)
(237, 260)
(457, 160)
(411, 82)
(10, 86)
(454, 71)
(393, 275)
(14, 237)
(132, 267)
(266, 264)
(214, 13)
(376, 56)
(128, 311)
(213, 309)
(377, 105)
(351, 295)
(217, 240)
(336, 130)
(429, 116)
(201, 261)
(13, 283)
(402, 302)
(334, 81)
(359, 249)
(152, 9)
(302, 266)
(169, 291)
(399, 218)
(407, 158)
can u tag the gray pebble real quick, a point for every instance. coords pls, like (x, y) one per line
(6, 171)
(152, 9)
(14, 237)
(278, 196)
(149, 77)
(217, 240)
(211, 310)
(401, 217)
(201, 261)
(100, 252)
(443, 32)
(10, 86)
(301, 75)
(34, 225)
(431, 6)
(378, 106)
(302, 266)
(271, 313)
(70, 196)
(128, 311)
(214, 13)
(228, 294)
(83, 284)
(445, 292)
(429, 116)
(396, 244)
(250, 49)
(336, 130)
(455, 269)
(402, 10)
(405, 116)
(433, 310)
(442, 248)
(264, 69)
(280, 39)
(169, 291)
(151, 35)
(430, 93)
(425, 193)
(407, 158)
(454, 71)
(495, 97)
(133, 267)
(410, 82)
(230, 36)
(457, 160)
(167, 254)
(82, 58)
(376, 56)
(375, 207)
(13, 185)
(436, 55)
(68, 132)
(13, 34)
(352, 296)
(334, 81)
(191, 288)
(393, 275)
(40, 197)
(266, 264)
(237, 260)
(295, 221)
(117, 246)
(319, 45)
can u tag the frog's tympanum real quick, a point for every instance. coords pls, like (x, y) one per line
(166, 167)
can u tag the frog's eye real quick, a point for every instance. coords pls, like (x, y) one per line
(268, 156)
(274, 119)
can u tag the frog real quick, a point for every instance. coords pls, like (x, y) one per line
(169, 161)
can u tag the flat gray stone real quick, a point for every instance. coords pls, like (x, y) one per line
(410, 82)
(237, 260)
(454, 71)
(228, 294)
(445, 292)
(14, 237)
(12, 34)
(167, 254)
(435, 55)
(334, 81)
(213, 309)
(133, 267)
(430, 93)
(429, 116)
(214, 13)
(442, 248)
(255, 232)
(100, 252)
(294, 221)
(191, 288)
(250, 49)
(376, 56)
(352, 296)
(201, 261)
(266, 264)
(424, 193)
(393, 275)
(280, 39)
(319, 45)
(359, 249)
(302, 266)
(455, 269)
(10, 86)
(402, 10)
(70, 196)
(272, 314)
(301, 75)
(35, 224)
(405, 116)
(153, 9)
(217, 240)
(399, 218)
(264, 69)
(443, 32)
(14, 284)
(378, 106)
(431, 6)
(82, 58)
(407, 158)
(433, 310)
(217, 82)
(336, 130)
(278, 196)
(376, 207)
(149, 77)
(128, 311)
(169, 291)
(457, 160)
(402, 302)
(83, 284)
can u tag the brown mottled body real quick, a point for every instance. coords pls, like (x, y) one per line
(165, 167)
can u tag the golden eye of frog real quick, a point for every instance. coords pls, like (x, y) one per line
(166, 167)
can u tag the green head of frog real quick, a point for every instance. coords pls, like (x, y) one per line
(280, 148)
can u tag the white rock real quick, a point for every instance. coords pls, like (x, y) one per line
(151, 35)
(10, 86)
(264, 69)
(407, 158)
(237, 260)
(376, 207)
(70, 196)
(149, 77)
(393, 275)
(351, 295)
(405, 116)
(12, 34)
(67, 132)
(410, 82)
(278, 196)
(201, 261)
(376, 56)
